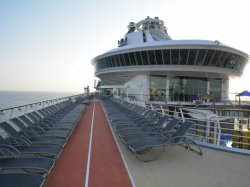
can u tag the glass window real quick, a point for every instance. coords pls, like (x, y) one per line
(132, 59)
(138, 58)
(158, 54)
(208, 58)
(215, 58)
(100, 64)
(97, 64)
(232, 62)
(122, 60)
(157, 88)
(222, 59)
(192, 56)
(243, 63)
(183, 56)
(216, 89)
(219, 59)
(144, 56)
(201, 56)
(126, 57)
(185, 88)
(106, 64)
(227, 61)
(239, 64)
(110, 61)
(166, 56)
(151, 57)
(175, 56)
(117, 62)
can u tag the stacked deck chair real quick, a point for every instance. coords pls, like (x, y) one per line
(19, 143)
(164, 139)
(21, 180)
(38, 134)
(142, 130)
(30, 144)
(46, 131)
(12, 141)
(163, 126)
(23, 164)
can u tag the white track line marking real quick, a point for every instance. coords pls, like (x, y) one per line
(90, 146)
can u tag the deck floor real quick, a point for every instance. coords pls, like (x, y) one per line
(105, 166)
(176, 167)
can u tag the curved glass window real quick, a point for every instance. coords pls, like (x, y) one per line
(166, 57)
(201, 57)
(209, 57)
(215, 58)
(222, 59)
(126, 58)
(113, 61)
(100, 65)
(138, 58)
(175, 56)
(183, 56)
(132, 59)
(144, 56)
(226, 63)
(151, 58)
(105, 64)
(110, 63)
(159, 57)
(240, 63)
(232, 62)
(117, 61)
(192, 56)
(122, 61)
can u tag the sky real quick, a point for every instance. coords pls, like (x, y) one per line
(47, 45)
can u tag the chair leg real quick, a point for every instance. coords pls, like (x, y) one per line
(189, 142)
(140, 157)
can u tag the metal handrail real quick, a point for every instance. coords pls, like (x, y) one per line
(23, 109)
(221, 132)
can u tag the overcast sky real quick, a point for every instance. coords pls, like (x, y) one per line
(47, 45)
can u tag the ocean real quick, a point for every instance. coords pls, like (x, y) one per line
(10, 99)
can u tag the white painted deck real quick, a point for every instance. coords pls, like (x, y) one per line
(178, 167)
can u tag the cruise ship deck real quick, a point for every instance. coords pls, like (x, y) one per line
(95, 156)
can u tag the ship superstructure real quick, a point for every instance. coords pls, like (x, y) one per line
(149, 65)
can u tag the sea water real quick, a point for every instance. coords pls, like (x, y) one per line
(10, 99)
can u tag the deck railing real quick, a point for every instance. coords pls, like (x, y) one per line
(217, 128)
(211, 128)
(8, 113)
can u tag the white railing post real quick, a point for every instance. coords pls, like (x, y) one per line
(162, 110)
(151, 106)
(219, 131)
(208, 130)
(182, 115)
(215, 132)
(11, 113)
